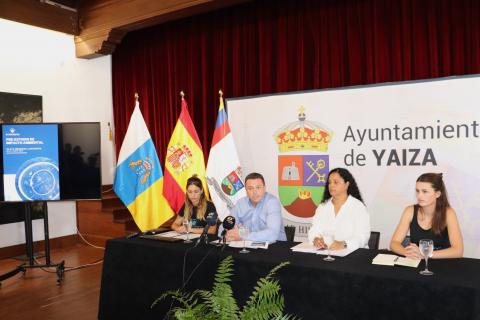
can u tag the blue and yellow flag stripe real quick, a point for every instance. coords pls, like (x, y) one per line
(151, 200)
(138, 172)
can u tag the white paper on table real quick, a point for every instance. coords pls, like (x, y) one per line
(170, 234)
(310, 248)
(306, 247)
(385, 259)
(178, 235)
(391, 260)
(249, 244)
(336, 253)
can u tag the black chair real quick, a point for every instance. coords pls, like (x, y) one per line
(374, 240)
(290, 233)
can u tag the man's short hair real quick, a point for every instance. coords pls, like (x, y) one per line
(254, 175)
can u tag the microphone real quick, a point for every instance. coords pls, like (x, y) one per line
(228, 224)
(210, 220)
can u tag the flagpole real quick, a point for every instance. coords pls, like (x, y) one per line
(136, 96)
(182, 94)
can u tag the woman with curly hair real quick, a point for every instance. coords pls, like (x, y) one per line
(341, 213)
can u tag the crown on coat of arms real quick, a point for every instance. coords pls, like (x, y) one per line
(304, 194)
(302, 135)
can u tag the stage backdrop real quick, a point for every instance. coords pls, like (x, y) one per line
(386, 135)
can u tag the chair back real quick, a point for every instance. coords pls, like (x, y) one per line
(290, 233)
(374, 240)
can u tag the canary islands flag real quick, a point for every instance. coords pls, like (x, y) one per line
(184, 159)
(139, 177)
(224, 174)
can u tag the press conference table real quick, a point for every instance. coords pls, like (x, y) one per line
(137, 271)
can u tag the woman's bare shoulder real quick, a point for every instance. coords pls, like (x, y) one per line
(408, 212)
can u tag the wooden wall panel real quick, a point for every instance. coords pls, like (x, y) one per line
(99, 26)
(42, 15)
(104, 24)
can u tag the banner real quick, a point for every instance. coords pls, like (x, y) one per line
(386, 135)
(224, 173)
(139, 177)
(30, 162)
(184, 159)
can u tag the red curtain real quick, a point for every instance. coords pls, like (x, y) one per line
(275, 46)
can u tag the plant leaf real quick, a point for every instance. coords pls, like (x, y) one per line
(265, 302)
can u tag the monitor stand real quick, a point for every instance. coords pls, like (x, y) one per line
(60, 267)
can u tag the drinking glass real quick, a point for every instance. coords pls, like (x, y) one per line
(328, 238)
(243, 232)
(426, 249)
(187, 223)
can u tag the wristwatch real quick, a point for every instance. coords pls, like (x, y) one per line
(344, 244)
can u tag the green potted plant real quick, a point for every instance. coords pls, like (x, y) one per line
(265, 302)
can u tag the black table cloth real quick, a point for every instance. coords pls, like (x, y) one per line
(137, 271)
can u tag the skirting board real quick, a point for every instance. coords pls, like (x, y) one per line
(55, 243)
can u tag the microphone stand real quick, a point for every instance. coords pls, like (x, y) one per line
(203, 235)
(224, 241)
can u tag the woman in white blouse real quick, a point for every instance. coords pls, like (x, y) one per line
(341, 213)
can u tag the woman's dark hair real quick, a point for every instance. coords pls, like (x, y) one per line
(439, 219)
(347, 177)
(202, 204)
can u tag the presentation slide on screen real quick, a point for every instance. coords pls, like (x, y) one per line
(30, 162)
(386, 135)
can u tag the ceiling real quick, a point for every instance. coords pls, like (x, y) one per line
(74, 4)
(99, 25)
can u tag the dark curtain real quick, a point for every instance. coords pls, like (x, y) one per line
(272, 46)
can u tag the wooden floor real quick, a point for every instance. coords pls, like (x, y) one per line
(36, 294)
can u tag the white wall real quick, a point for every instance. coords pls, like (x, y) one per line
(387, 183)
(42, 62)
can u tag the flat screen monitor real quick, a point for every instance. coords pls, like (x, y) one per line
(50, 161)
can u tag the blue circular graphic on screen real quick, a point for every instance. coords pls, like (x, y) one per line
(37, 179)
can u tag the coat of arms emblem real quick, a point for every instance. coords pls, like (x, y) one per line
(179, 157)
(143, 168)
(303, 166)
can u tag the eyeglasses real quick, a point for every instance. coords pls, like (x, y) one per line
(251, 188)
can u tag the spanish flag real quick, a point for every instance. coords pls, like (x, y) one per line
(139, 177)
(184, 159)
